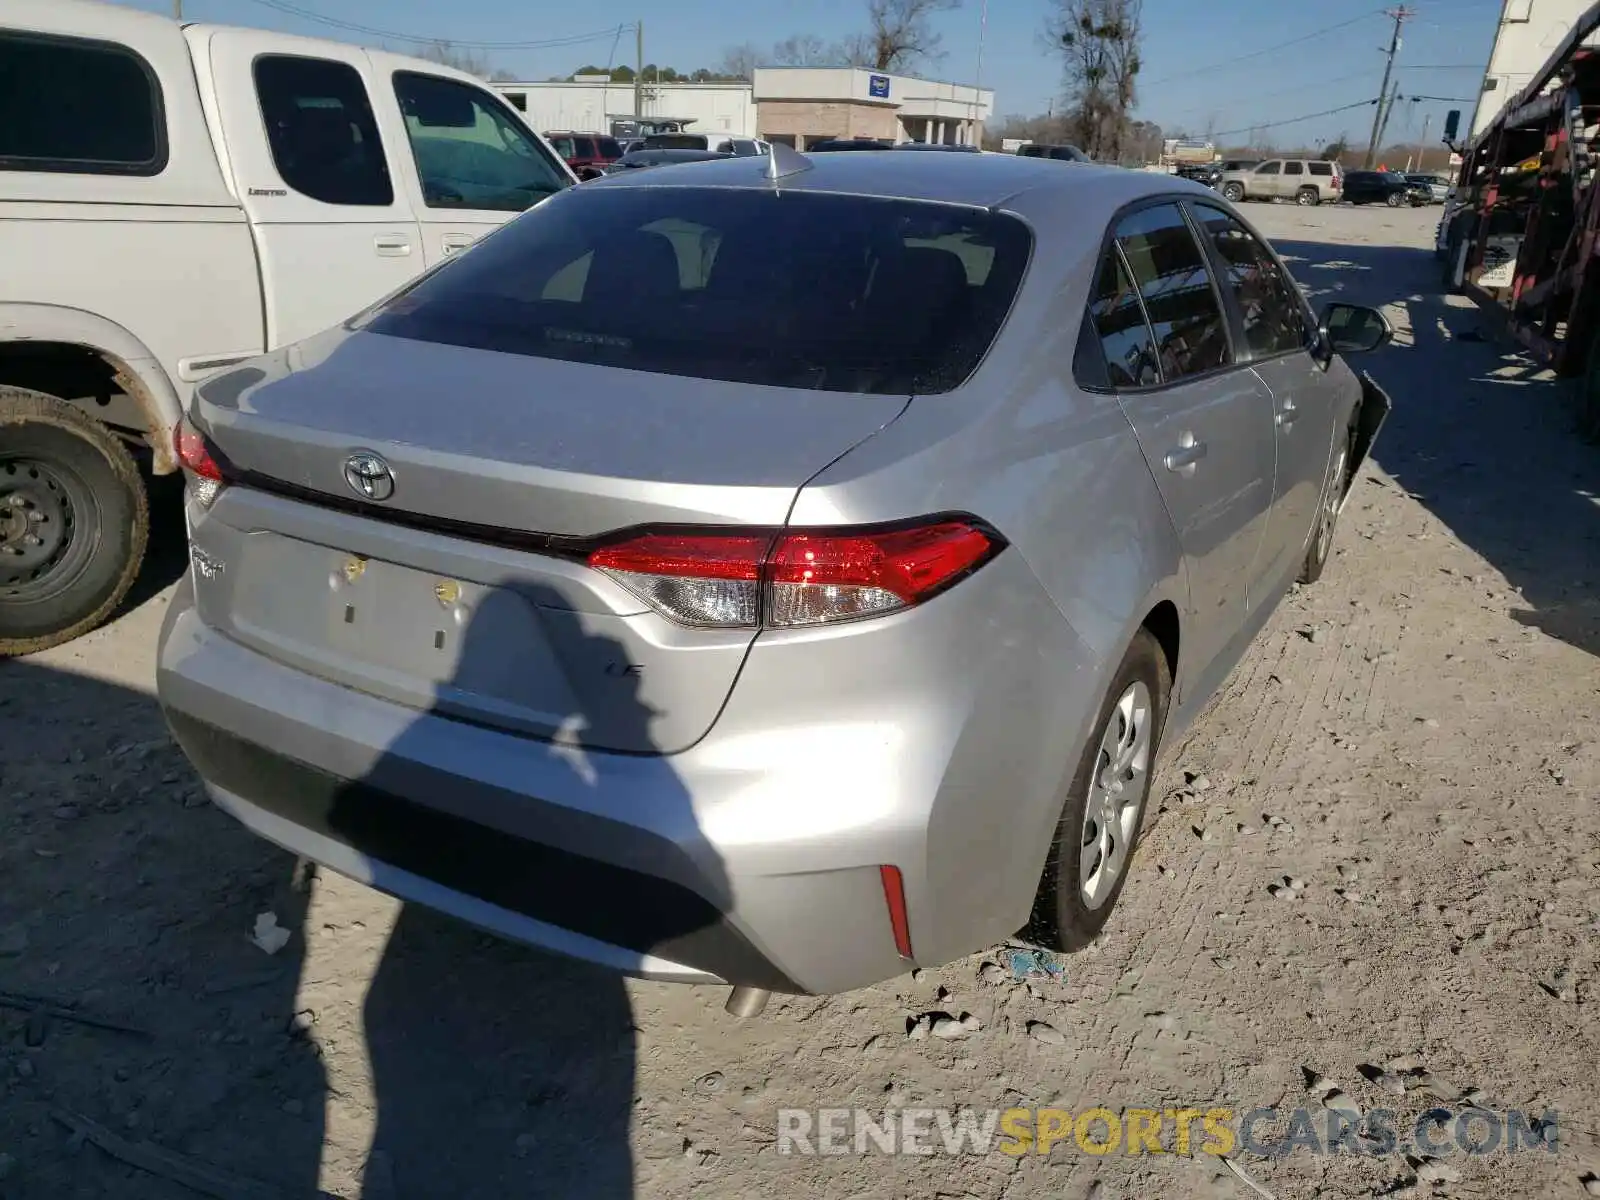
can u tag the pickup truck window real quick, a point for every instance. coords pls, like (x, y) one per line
(78, 106)
(321, 130)
(470, 151)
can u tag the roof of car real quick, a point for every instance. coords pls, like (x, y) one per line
(980, 180)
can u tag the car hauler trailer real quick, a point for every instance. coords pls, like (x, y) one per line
(1521, 236)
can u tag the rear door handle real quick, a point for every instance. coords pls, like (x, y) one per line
(1286, 414)
(451, 242)
(392, 245)
(1188, 452)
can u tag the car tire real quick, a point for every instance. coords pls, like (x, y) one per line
(1395, 199)
(1319, 551)
(74, 522)
(1233, 192)
(1068, 916)
(1308, 197)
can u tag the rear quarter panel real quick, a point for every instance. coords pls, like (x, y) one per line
(1059, 472)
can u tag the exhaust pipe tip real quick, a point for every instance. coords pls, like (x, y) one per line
(747, 1001)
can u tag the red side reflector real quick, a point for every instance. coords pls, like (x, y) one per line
(894, 895)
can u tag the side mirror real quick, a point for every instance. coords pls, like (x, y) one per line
(1452, 125)
(1355, 328)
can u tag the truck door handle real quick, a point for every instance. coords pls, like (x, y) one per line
(1286, 414)
(456, 241)
(1183, 459)
(392, 245)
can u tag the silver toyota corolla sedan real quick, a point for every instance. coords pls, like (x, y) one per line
(772, 572)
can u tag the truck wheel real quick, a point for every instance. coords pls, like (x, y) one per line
(1233, 192)
(1093, 847)
(74, 521)
(1307, 197)
(1395, 199)
(1589, 395)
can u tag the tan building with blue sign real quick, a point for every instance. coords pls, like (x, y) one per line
(800, 105)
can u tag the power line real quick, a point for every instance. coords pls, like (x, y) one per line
(1235, 102)
(1265, 50)
(294, 10)
(1328, 112)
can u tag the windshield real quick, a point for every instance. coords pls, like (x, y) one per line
(790, 289)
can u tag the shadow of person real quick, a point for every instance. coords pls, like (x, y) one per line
(500, 1070)
(127, 897)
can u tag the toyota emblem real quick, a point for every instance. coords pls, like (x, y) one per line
(369, 476)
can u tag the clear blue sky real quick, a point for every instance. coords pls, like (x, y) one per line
(1195, 72)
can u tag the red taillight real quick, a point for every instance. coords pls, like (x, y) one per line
(744, 578)
(193, 453)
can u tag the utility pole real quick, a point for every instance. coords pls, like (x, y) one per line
(177, 9)
(977, 82)
(1388, 111)
(1422, 142)
(638, 75)
(1399, 16)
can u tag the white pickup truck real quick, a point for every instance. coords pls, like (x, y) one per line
(177, 198)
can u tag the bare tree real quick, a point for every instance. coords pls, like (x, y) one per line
(740, 61)
(902, 34)
(447, 54)
(802, 50)
(1099, 45)
(857, 50)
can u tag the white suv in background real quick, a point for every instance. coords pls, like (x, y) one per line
(1306, 181)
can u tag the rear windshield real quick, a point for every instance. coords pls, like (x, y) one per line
(608, 147)
(788, 289)
(676, 141)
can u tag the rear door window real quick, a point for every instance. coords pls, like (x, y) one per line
(1270, 308)
(1294, 168)
(1127, 345)
(321, 131)
(1166, 264)
(470, 151)
(79, 106)
(793, 289)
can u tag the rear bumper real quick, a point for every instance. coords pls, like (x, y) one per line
(750, 858)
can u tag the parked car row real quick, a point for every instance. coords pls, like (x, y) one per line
(1310, 181)
(591, 155)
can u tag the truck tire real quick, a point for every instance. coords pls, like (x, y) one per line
(1589, 395)
(1233, 192)
(1308, 197)
(74, 521)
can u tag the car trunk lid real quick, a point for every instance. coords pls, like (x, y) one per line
(464, 591)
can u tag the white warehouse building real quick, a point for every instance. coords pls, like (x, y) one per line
(591, 103)
(793, 105)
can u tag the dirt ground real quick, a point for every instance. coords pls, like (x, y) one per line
(1424, 720)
